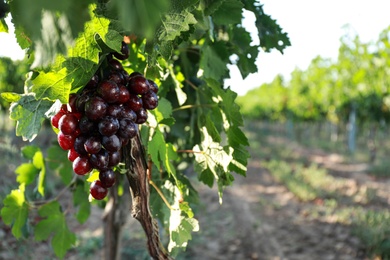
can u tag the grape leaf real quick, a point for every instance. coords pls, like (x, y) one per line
(140, 17)
(39, 163)
(211, 6)
(58, 160)
(163, 112)
(26, 173)
(29, 151)
(3, 26)
(22, 38)
(81, 63)
(231, 7)
(212, 64)
(29, 113)
(80, 199)
(180, 231)
(10, 97)
(15, 210)
(55, 223)
(174, 24)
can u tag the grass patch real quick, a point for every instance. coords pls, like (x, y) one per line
(307, 183)
(373, 229)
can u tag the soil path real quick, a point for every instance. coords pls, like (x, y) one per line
(261, 219)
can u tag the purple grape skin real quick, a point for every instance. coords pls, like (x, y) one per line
(153, 86)
(99, 160)
(138, 85)
(95, 108)
(108, 126)
(142, 116)
(111, 143)
(114, 158)
(93, 145)
(128, 129)
(150, 100)
(109, 91)
(107, 178)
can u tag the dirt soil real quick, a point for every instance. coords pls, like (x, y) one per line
(261, 219)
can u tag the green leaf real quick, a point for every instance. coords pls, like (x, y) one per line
(230, 12)
(29, 114)
(10, 97)
(15, 210)
(22, 38)
(140, 17)
(55, 223)
(3, 26)
(80, 199)
(39, 163)
(156, 146)
(163, 112)
(174, 24)
(180, 231)
(29, 151)
(210, 126)
(57, 160)
(82, 61)
(26, 173)
(53, 85)
(212, 64)
(211, 6)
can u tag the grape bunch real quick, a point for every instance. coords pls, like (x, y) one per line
(102, 118)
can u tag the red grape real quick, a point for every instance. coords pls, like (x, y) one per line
(97, 191)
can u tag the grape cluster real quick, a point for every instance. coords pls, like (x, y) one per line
(103, 117)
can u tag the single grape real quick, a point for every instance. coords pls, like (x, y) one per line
(93, 82)
(97, 191)
(114, 158)
(124, 52)
(135, 73)
(109, 91)
(117, 77)
(81, 165)
(72, 154)
(138, 85)
(150, 100)
(80, 102)
(127, 112)
(128, 129)
(111, 143)
(124, 94)
(99, 160)
(68, 124)
(114, 110)
(142, 116)
(135, 103)
(65, 141)
(86, 126)
(107, 178)
(115, 64)
(71, 106)
(153, 86)
(92, 145)
(79, 145)
(95, 108)
(54, 120)
(108, 126)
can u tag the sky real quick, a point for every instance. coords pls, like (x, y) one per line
(313, 26)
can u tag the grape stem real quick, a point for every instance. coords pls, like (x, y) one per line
(36, 204)
(137, 175)
(161, 195)
(193, 106)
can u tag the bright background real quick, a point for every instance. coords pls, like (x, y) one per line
(314, 28)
